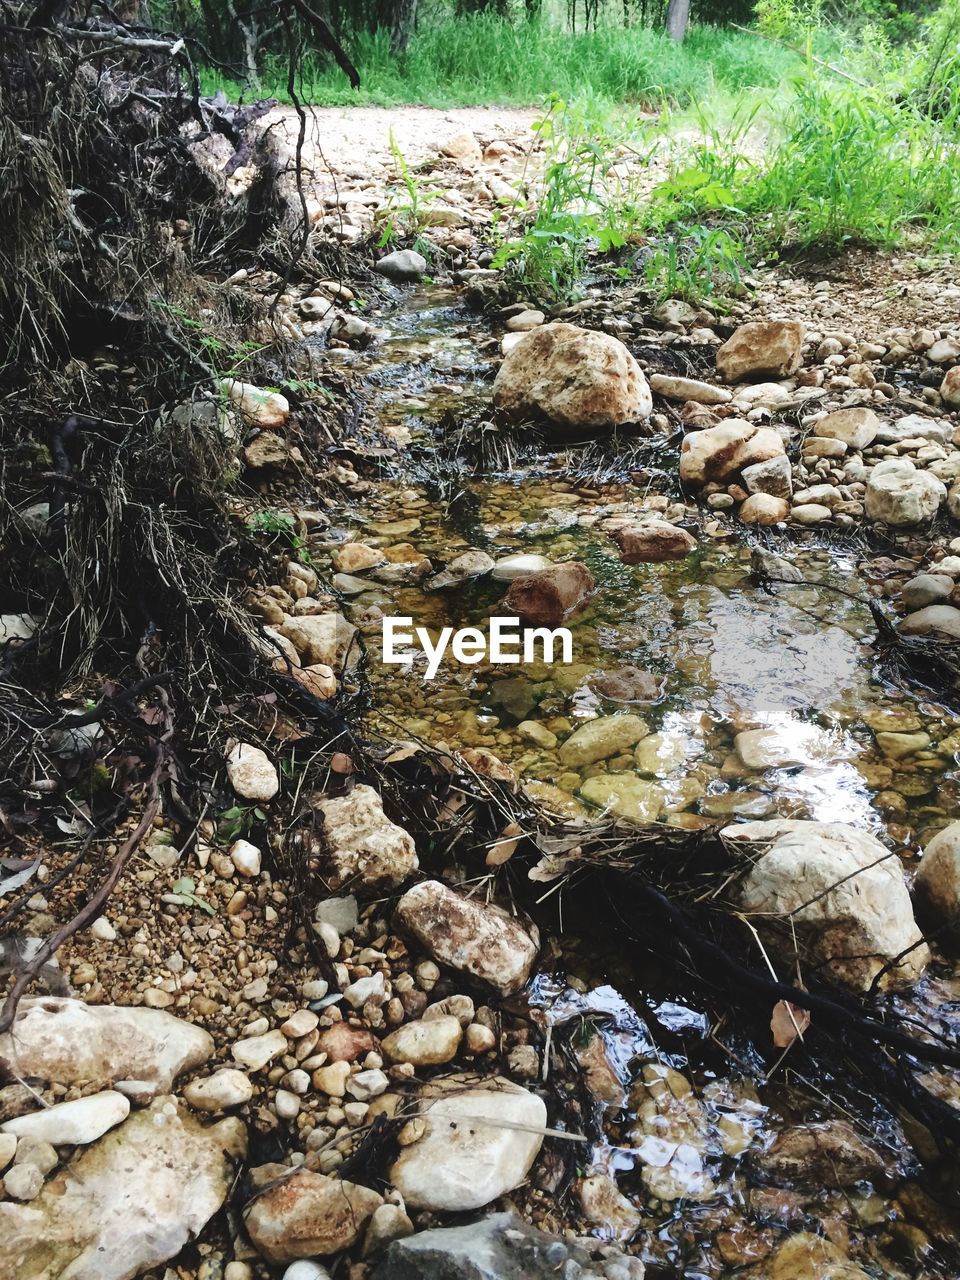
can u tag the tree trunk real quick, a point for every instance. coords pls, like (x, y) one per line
(678, 11)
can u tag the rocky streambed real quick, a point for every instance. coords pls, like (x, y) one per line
(357, 1030)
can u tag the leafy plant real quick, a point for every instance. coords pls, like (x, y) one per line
(236, 821)
(407, 212)
(695, 262)
(278, 524)
(185, 889)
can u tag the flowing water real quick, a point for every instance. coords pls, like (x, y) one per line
(677, 1120)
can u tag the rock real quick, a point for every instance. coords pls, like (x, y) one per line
(857, 428)
(472, 564)
(572, 377)
(661, 754)
(342, 913)
(840, 894)
(255, 1052)
(305, 1214)
(716, 453)
(524, 321)
(810, 1257)
(629, 684)
(318, 680)
(625, 796)
(128, 1204)
(8, 1147)
(76, 1123)
(246, 858)
(685, 389)
(363, 846)
(425, 1043)
(950, 388)
(779, 746)
(915, 426)
(389, 1223)
(761, 348)
(900, 495)
(605, 1206)
(549, 598)
(224, 1089)
(22, 1182)
(251, 773)
(68, 1042)
(820, 1155)
(323, 638)
(261, 408)
(537, 733)
(268, 450)
(935, 620)
(402, 266)
(462, 146)
(773, 476)
(456, 1155)
(810, 513)
(306, 1270)
(926, 589)
(343, 1042)
(353, 557)
(518, 566)
(953, 502)
(601, 738)
(897, 746)
(937, 884)
(764, 508)
(653, 543)
(468, 935)
(15, 628)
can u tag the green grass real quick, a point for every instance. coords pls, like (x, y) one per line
(483, 59)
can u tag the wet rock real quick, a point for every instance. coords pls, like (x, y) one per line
(353, 557)
(322, 638)
(537, 733)
(363, 846)
(897, 746)
(935, 620)
(625, 796)
(261, 408)
(307, 1215)
(661, 754)
(549, 598)
(820, 1155)
(224, 1089)
(764, 508)
(472, 564)
(670, 1135)
(425, 1042)
(773, 476)
(629, 684)
(716, 453)
(605, 1206)
(685, 389)
(518, 566)
(779, 746)
(251, 773)
(808, 1257)
(761, 348)
(468, 935)
(841, 895)
(402, 266)
(937, 884)
(68, 1042)
(457, 1154)
(857, 428)
(76, 1123)
(572, 377)
(653, 543)
(601, 738)
(128, 1204)
(900, 495)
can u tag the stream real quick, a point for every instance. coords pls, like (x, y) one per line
(700, 653)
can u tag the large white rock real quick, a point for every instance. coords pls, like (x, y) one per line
(573, 377)
(424, 1042)
(937, 884)
(364, 847)
(463, 1151)
(322, 639)
(128, 1204)
(252, 773)
(259, 407)
(226, 1088)
(306, 1214)
(467, 934)
(74, 1123)
(69, 1042)
(761, 348)
(839, 893)
(900, 495)
(716, 453)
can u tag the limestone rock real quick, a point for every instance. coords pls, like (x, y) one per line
(251, 773)
(950, 387)
(15, 628)
(463, 147)
(773, 477)
(935, 620)
(549, 598)
(900, 495)
(524, 321)
(128, 1204)
(653, 543)
(365, 848)
(518, 566)
(224, 1089)
(716, 453)
(685, 389)
(76, 1123)
(322, 638)
(764, 508)
(306, 1215)
(468, 935)
(261, 408)
(857, 428)
(464, 1157)
(761, 349)
(926, 589)
(601, 738)
(625, 796)
(352, 557)
(778, 746)
(810, 1257)
(937, 884)
(68, 1042)
(572, 377)
(831, 1154)
(426, 1042)
(402, 266)
(255, 1052)
(839, 892)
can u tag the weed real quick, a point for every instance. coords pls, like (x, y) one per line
(277, 524)
(695, 262)
(236, 821)
(408, 213)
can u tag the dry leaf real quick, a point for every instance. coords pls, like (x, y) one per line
(788, 1022)
(504, 848)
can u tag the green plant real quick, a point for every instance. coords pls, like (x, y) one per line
(695, 262)
(236, 821)
(185, 890)
(407, 212)
(227, 361)
(278, 524)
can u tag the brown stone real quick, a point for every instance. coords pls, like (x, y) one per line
(761, 349)
(653, 543)
(820, 1155)
(308, 1215)
(343, 1042)
(550, 597)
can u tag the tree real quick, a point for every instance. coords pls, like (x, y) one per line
(678, 13)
